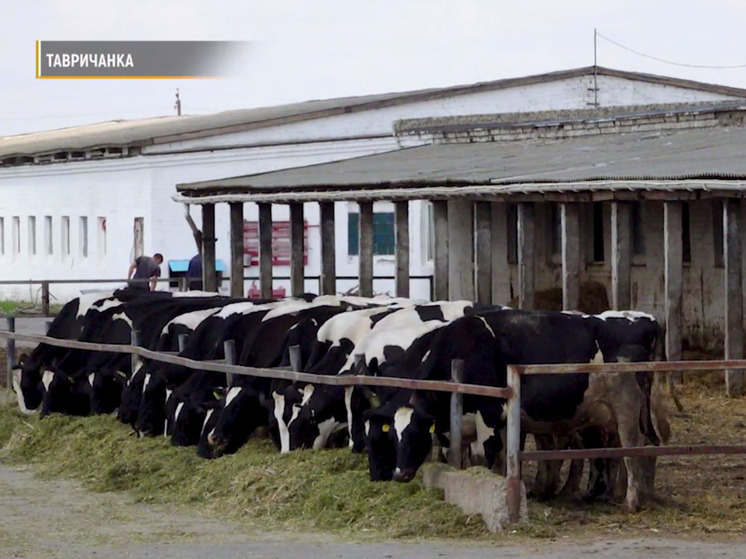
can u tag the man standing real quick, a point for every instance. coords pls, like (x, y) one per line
(194, 273)
(145, 267)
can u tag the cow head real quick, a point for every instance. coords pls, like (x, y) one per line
(320, 413)
(189, 417)
(241, 414)
(280, 407)
(380, 445)
(131, 396)
(106, 390)
(68, 394)
(27, 384)
(151, 415)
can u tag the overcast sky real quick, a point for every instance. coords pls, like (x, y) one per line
(317, 49)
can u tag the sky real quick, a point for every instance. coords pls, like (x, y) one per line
(317, 49)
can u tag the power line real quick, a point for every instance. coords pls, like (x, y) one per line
(732, 67)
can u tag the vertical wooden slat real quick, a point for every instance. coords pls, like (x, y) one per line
(457, 413)
(134, 358)
(10, 351)
(297, 249)
(45, 298)
(365, 249)
(236, 224)
(526, 260)
(328, 258)
(501, 272)
(734, 381)
(513, 444)
(294, 354)
(621, 255)
(401, 232)
(229, 349)
(265, 250)
(461, 250)
(570, 224)
(209, 278)
(673, 263)
(483, 243)
(440, 250)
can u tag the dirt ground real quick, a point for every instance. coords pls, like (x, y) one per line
(58, 519)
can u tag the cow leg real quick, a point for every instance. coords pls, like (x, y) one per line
(547, 471)
(572, 485)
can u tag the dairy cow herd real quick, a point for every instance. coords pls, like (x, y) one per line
(380, 336)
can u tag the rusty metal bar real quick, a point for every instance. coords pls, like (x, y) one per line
(661, 366)
(45, 298)
(457, 412)
(690, 450)
(513, 436)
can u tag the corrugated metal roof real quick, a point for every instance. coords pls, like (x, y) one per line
(135, 133)
(717, 153)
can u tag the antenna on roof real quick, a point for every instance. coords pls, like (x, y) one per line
(177, 105)
(595, 69)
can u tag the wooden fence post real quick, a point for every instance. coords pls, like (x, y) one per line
(45, 298)
(294, 351)
(513, 495)
(134, 341)
(182, 339)
(49, 326)
(10, 351)
(229, 348)
(457, 412)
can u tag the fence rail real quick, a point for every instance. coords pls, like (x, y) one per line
(512, 393)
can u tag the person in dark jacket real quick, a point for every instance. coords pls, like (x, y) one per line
(145, 267)
(194, 273)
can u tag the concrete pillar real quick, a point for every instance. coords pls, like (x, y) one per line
(209, 279)
(461, 250)
(526, 258)
(483, 227)
(733, 293)
(621, 255)
(673, 263)
(236, 224)
(401, 232)
(365, 249)
(440, 250)
(297, 249)
(265, 250)
(570, 225)
(328, 256)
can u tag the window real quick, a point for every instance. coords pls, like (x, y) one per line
(638, 229)
(101, 237)
(83, 236)
(512, 233)
(32, 235)
(16, 239)
(717, 232)
(383, 233)
(65, 236)
(48, 234)
(686, 233)
(598, 232)
(280, 243)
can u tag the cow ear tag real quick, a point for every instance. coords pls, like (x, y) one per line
(385, 427)
(121, 374)
(216, 394)
(432, 428)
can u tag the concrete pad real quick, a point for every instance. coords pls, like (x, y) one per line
(476, 490)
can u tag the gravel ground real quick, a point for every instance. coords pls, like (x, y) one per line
(58, 519)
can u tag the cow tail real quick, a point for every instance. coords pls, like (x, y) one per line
(660, 355)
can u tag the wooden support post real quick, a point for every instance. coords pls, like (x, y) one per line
(461, 250)
(294, 352)
(237, 248)
(183, 284)
(49, 326)
(265, 250)
(229, 348)
(457, 413)
(483, 243)
(10, 351)
(526, 261)
(570, 224)
(365, 249)
(209, 277)
(513, 437)
(45, 298)
(734, 382)
(297, 250)
(621, 255)
(401, 232)
(440, 250)
(674, 271)
(328, 256)
(134, 358)
(182, 339)
(501, 272)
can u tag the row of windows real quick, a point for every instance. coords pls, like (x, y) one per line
(32, 245)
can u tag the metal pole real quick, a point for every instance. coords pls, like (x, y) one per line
(295, 364)
(182, 342)
(45, 298)
(513, 495)
(183, 286)
(10, 351)
(49, 326)
(229, 348)
(134, 341)
(457, 412)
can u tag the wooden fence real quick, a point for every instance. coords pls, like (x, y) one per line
(512, 393)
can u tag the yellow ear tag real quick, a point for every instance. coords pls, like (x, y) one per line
(432, 428)
(216, 394)
(121, 374)
(385, 427)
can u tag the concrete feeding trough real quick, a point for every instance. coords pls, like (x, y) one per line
(475, 490)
